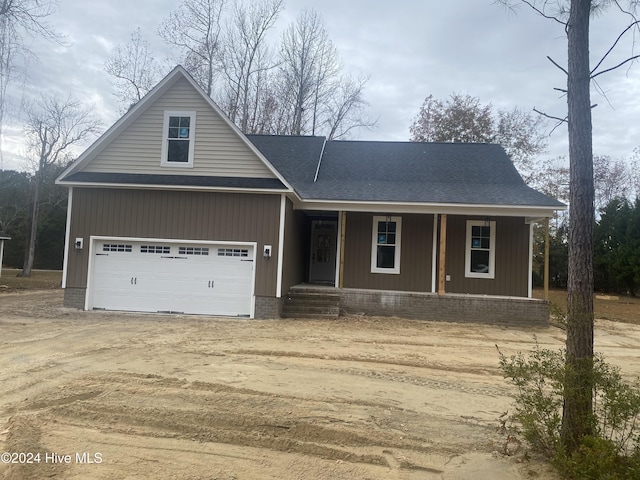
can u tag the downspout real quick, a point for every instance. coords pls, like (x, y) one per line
(315, 178)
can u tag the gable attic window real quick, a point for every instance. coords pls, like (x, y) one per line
(480, 251)
(385, 244)
(178, 138)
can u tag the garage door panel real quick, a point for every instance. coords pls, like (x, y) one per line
(173, 277)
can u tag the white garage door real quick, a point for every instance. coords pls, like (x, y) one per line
(163, 276)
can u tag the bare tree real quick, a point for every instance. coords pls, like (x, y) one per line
(134, 69)
(195, 28)
(247, 60)
(309, 66)
(345, 108)
(20, 19)
(574, 17)
(52, 129)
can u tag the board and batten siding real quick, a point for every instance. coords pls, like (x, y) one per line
(415, 258)
(231, 217)
(511, 258)
(295, 247)
(219, 150)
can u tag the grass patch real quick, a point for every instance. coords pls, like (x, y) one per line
(619, 308)
(40, 279)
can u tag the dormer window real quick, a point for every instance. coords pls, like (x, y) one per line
(178, 139)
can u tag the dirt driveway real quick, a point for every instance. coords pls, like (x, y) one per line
(182, 397)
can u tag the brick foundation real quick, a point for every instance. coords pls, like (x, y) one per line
(268, 307)
(74, 297)
(448, 308)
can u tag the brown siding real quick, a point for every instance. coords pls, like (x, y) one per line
(512, 258)
(294, 244)
(176, 215)
(415, 260)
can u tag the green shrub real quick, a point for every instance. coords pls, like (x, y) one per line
(614, 451)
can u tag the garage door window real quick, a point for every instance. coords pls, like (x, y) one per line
(233, 252)
(193, 251)
(116, 247)
(164, 249)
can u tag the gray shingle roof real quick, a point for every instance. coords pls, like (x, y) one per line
(180, 180)
(451, 173)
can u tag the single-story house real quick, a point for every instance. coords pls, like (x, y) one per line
(174, 209)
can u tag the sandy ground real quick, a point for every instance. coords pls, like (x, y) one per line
(184, 397)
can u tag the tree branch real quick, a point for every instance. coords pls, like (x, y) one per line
(630, 59)
(557, 65)
(561, 120)
(634, 24)
(542, 14)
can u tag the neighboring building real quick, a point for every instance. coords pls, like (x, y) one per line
(173, 209)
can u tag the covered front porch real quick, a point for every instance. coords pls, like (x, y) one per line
(413, 265)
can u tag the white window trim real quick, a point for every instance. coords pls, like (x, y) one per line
(492, 250)
(165, 137)
(374, 244)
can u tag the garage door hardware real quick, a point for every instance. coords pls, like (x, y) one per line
(179, 258)
(134, 281)
(211, 282)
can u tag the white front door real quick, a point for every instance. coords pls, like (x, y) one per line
(324, 235)
(171, 276)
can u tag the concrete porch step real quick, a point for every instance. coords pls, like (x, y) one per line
(311, 303)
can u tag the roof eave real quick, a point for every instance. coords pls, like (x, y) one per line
(431, 208)
(152, 186)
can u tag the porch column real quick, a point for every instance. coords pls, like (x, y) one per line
(443, 254)
(3, 237)
(546, 258)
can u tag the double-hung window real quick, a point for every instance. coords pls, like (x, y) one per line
(385, 244)
(480, 255)
(178, 141)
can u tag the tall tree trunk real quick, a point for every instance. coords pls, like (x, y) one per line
(577, 420)
(30, 254)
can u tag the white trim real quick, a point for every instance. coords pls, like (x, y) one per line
(93, 239)
(434, 254)
(530, 285)
(164, 162)
(65, 263)
(397, 244)
(144, 186)
(1, 254)
(281, 233)
(491, 273)
(425, 207)
(338, 250)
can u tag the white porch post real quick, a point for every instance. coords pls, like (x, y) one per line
(443, 254)
(434, 255)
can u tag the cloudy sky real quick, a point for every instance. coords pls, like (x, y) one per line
(408, 48)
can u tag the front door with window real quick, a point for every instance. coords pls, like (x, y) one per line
(324, 235)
